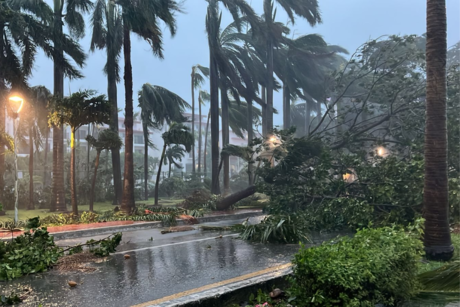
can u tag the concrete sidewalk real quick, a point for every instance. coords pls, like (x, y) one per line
(103, 228)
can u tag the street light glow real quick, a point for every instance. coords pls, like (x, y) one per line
(380, 151)
(16, 103)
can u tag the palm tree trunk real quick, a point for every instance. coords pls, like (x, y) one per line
(93, 183)
(225, 141)
(264, 112)
(146, 162)
(214, 80)
(437, 240)
(73, 183)
(286, 107)
(2, 148)
(58, 200)
(31, 170)
(157, 182)
(199, 138)
(113, 98)
(169, 171)
(45, 164)
(206, 145)
(127, 203)
(269, 87)
(193, 124)
(307, 117)
(250, 138)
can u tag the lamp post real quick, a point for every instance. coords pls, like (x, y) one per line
(15, 105)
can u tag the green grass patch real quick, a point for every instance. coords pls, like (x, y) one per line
(432, 265)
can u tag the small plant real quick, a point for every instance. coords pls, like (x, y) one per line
(277, 229)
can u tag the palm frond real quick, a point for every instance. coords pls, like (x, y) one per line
(445, 278)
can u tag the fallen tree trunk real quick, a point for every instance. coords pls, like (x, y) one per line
(228, 201)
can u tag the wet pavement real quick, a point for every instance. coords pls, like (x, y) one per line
(159, 266)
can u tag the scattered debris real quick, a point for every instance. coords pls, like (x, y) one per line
(217, 228)
(276, 293)
(127, 256)
(177, 229)
(188, 219)
(72, 283)
(219, 237)
(78, 262)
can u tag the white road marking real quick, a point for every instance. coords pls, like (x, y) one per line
(172, 244)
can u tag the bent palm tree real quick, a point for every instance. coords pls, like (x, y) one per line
(107, 140)
(158, 106)
(173, 154)
(142, 18)
(306, 9)
(438, 244)
(177, 134)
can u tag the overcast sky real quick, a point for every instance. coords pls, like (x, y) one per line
(348, 23)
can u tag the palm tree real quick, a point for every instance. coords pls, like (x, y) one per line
(158, 106)
(81, 108)
(306, 9)
(35, 118)
(140, 17)
(220, 68)
(438, 244)
(177, 134)
(68, 12)
(198, 74)
(203, 97)
(173, 154)
(106, 140)
(108, 33)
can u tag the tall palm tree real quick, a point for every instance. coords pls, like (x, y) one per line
(220, 68)
(305, 9)
(79, 109)
(70, 13)
(177, 134)
(107, 140)
(158, 106)
(438, 244)
(140, 17)
(197, 76)
(203, 97)
(107, 33)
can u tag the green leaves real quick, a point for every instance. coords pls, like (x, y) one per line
(32, 252)
(375, 266)
(81, 108)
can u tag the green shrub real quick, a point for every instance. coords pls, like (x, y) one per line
(170, 187)
(29, 253)
(375, 266)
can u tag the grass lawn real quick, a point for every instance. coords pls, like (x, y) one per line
(431, 265)
(103, 206)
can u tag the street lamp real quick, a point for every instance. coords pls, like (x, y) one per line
(15, 104)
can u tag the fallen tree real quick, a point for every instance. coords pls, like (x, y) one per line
(232, 199)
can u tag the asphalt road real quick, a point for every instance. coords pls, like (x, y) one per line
(160, 265)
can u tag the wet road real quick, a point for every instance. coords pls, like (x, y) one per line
(163, 266)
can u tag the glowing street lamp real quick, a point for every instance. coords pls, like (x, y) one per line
(380, 151)
(15, 104)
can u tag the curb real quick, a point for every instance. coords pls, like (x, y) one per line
(215, 296)
(145, 225)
